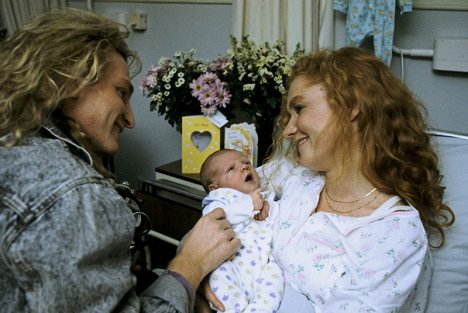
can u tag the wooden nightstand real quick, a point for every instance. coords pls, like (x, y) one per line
(172, 207)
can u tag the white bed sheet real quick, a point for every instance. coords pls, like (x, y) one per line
(294, 301)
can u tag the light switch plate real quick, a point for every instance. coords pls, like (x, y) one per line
(138, 20)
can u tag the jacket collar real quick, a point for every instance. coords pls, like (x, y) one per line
(52, 130)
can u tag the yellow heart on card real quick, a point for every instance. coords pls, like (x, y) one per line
(201, 140)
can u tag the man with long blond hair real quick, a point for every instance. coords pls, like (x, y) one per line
(64, 230)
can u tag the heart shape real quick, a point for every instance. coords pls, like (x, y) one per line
(201, 140)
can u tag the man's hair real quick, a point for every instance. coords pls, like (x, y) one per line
(50, 60)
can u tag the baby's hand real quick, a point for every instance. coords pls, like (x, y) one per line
(257, 199)
(264, 212)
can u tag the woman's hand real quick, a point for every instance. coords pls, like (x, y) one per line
(205, 294)
(201, 305)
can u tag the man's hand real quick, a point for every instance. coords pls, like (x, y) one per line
(208, 244)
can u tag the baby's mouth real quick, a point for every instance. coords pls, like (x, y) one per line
(248, 177)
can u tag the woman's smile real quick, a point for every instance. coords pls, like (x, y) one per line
(302, 141)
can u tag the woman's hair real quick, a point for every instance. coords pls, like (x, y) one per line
(397, 154)
(50, 60)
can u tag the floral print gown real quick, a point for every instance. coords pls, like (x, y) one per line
(377, 263)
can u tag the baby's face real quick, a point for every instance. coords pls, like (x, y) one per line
(233, 170)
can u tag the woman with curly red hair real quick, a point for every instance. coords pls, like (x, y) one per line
(358, 186)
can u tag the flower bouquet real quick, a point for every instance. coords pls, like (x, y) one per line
(167, 84)
(249, 80)
(257, 77)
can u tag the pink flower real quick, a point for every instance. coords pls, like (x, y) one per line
(196, 87)
(218, 64)
(208, 111)
(207, 97)
(224, 98)
(210, 92)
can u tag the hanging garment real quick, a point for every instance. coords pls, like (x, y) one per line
(372, 18)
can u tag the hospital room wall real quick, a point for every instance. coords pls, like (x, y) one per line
(445, 93)
(206, 28)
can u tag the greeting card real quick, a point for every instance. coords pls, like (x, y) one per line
(200, 138)
(242, 137)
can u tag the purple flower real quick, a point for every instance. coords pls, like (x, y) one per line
(208, 111)
(218, 64)
(196, 87)
(210, 92)
(207, 97)
(224, 98)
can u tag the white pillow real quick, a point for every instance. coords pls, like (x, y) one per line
(449, 288)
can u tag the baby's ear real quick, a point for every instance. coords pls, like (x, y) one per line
(212, 187)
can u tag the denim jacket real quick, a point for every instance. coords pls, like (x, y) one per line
(65, 234)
